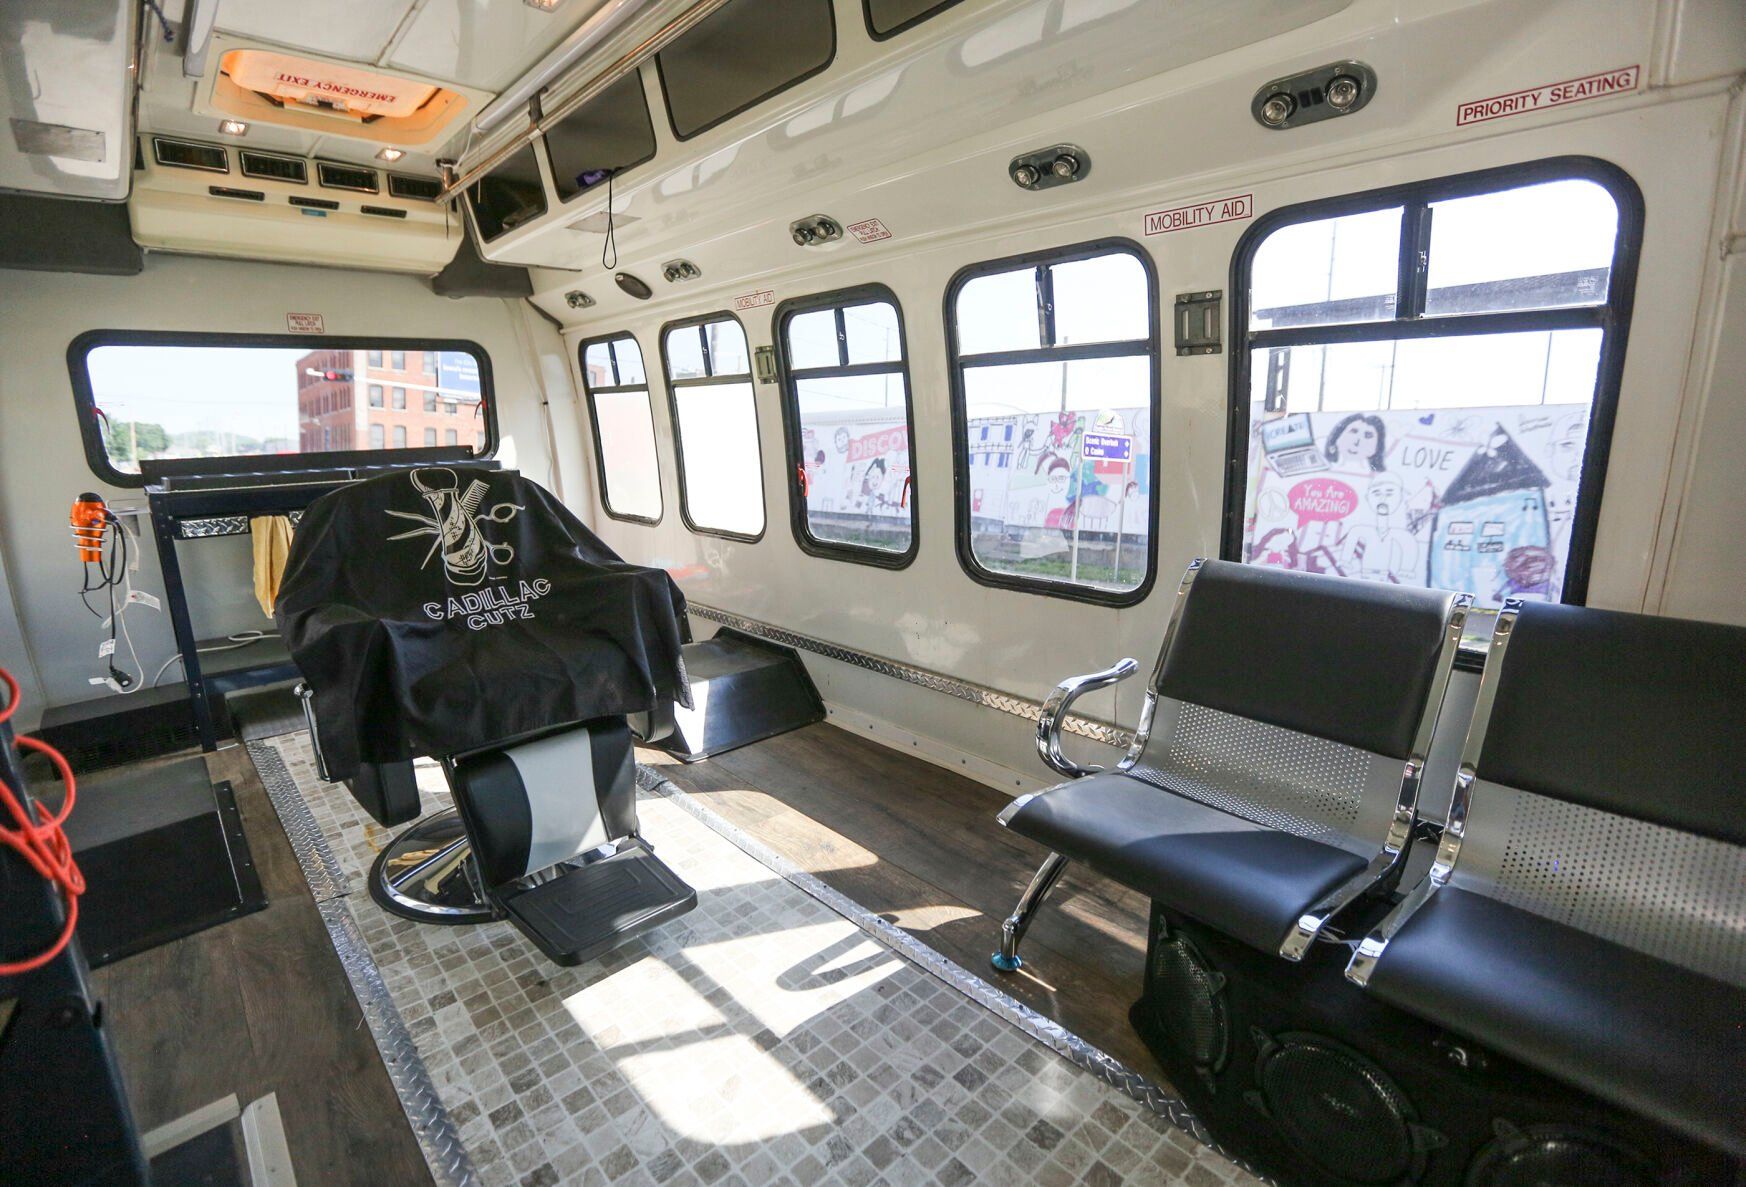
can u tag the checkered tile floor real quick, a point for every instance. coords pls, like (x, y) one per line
(762, 1039)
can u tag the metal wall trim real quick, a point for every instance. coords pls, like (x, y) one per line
(437, 1135)
(1106, 732)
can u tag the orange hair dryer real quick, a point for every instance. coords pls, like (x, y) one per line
(89, 517)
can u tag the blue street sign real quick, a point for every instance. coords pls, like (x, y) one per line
(1109, 447)
(458, 372)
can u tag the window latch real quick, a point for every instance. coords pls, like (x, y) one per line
(801, 478)
(903, 495)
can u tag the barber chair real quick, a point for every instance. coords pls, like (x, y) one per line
(543, 827)
(543, 832)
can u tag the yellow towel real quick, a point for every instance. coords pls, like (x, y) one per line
(272, 539)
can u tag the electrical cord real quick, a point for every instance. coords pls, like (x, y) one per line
(232, 643)
(113, 568)
(42, 842)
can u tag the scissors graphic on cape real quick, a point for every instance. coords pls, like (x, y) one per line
(456, 525)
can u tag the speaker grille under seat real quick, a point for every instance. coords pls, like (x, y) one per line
(1555, 1156)
(1187, 1002)
(1339, 1111)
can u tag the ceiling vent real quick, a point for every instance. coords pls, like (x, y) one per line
(422, 189)
(346, 177)
(273, 167)
(183, 154)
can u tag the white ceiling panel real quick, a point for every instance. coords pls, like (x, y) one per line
(356, 29)
(485, 43)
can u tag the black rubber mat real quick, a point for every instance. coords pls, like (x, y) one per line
(211, 1159)
(167, 882)
(265, 712)
(598, 906)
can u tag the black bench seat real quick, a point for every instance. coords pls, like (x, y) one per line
(1248, 880)
(1658, 1039)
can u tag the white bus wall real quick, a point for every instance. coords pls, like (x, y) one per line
(1681, 145)
(42, 459)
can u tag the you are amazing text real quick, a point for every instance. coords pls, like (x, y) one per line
(493, 606)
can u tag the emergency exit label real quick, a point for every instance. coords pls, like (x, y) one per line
(1200, 214)
(1621, 81)
(305, 323)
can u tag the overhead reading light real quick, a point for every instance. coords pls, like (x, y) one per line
(233, 127)
(390, 154)
(1337, 89)
(543, 5)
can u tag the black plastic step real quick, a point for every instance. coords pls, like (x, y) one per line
(596, 907)
(745, 690)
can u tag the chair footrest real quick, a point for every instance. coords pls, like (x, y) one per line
(593, 908)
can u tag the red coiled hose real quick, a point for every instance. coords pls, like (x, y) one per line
(42, 843)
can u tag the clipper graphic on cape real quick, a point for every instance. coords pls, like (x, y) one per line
(456, 523)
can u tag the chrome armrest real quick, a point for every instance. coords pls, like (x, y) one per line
(1372, 946)
(1055, 714)
(306, 695)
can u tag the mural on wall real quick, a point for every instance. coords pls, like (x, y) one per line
(1476, 499)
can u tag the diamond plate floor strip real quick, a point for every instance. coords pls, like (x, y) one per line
(437, 1136)
(1045, 1030)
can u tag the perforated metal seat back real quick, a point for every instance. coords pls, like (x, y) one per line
(1609, 778)
(1668, 893)
(1283, 779)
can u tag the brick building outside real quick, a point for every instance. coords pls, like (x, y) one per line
(374, 399)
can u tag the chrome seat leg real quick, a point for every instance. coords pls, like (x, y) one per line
(1013, 929)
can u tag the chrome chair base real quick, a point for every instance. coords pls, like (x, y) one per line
(427, 874)
(1013, 928)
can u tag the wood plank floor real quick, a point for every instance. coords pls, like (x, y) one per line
(919, 845)
(257, 1005)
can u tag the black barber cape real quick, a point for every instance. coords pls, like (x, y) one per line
(438, 610)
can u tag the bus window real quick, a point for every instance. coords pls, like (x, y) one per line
(715, 426)
(1423, 375)
(1055, 406)
(849, 426)
(150, 396)
(624, 428)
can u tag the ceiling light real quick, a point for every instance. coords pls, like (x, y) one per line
(390, 154)
(233, 128)
(543, 5)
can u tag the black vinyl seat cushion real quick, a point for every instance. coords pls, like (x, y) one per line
(1653, 1037)
(1249, 881)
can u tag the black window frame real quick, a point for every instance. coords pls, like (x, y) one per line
(97, 458)
(1612, 317)
(900, 29)
(1153, 343)
(673, 416)
(588, 393)
(667, 102)
(789, 378)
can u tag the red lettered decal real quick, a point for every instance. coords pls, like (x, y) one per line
(1200, 214)
(1621, 81)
